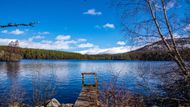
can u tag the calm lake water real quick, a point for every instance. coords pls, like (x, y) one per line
(65, 75)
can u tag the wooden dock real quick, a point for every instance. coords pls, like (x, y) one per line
(89, 93)
(88, 96)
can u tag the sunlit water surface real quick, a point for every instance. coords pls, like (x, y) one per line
(65, 75)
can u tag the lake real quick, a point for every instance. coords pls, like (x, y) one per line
(64, 76)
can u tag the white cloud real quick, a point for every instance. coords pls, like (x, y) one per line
(4, 31)
(187, 28)
(38, 37)
(5, 41)
(14, 32)
(63, 37)
(17, 32)
(61, 42)
(43, 33)
(82, 40)
(46, 44)
(40, 45)
(46, 41)
(113, 50)
(186, 46)
(109, 25)
(92, 12)
(170, 4)
(176, 35)
(69, 44)
(85, 45)
(121, 43)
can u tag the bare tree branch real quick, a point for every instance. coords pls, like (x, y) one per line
(16, 25)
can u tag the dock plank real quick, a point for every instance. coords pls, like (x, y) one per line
(88, 96)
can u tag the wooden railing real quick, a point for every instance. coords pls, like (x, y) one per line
(95, 79)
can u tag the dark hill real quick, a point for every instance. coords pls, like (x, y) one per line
(154, 51)
(182, 43)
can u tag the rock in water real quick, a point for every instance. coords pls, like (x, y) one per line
(53, 103)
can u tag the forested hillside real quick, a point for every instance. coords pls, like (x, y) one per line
(154, 51)
(49, 54)
(143, 55)
(27, 53)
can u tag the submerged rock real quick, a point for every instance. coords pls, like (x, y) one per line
(55, 103)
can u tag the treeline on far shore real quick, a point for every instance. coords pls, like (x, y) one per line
(144, 55)
(8, 53)
(29, 53)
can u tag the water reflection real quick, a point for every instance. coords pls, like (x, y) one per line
(65, 75)
(62, 73)
(43, 83)
(12, 69)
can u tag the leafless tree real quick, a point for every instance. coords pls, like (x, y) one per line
(12, 52)
(43, 88)
(151, 20)
(13, 47)
(115, 93)
(17, 25)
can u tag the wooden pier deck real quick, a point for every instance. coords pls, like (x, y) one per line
(88, 96)
(89, 93)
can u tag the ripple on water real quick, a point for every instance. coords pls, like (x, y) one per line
(65, 75)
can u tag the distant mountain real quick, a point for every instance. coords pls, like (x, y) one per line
(156, 46)
(158, 50)
(182, 43)
(154, 51)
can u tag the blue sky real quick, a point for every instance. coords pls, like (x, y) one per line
(86, 26)
(92, 22)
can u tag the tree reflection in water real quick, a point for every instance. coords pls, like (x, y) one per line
(12, 69)
(15, 92)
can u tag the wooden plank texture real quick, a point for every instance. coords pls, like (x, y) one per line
(89, 93)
